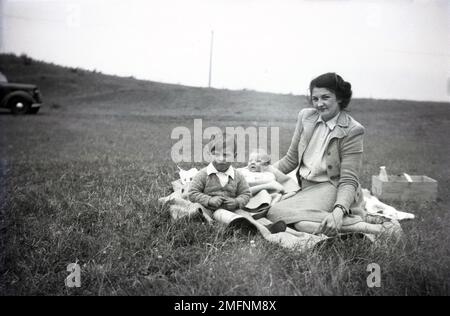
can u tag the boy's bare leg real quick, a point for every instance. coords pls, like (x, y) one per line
(361, 227)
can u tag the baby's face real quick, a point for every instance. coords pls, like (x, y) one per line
(256, 163)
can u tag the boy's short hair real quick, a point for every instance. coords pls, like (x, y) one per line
(223, 141)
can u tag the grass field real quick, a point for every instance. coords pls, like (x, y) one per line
(80, 180)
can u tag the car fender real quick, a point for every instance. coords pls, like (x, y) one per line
(13, 94)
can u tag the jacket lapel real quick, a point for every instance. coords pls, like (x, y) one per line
(309, 123)
(340, 130)
(337, 132)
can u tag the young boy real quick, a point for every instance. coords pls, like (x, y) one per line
(219, 185)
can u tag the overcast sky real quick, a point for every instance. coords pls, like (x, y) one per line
(387, 49)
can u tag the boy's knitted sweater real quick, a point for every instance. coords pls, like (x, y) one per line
(205, 186)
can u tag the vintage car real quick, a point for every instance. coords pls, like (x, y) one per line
(20, 98)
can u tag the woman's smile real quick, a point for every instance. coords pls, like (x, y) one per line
(325, 102)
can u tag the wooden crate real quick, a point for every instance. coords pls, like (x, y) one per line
(398, 188)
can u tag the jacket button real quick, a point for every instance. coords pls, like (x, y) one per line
(328, 153)
(329, 167)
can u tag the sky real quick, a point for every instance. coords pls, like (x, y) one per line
(387, 49)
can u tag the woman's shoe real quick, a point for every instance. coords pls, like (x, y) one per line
(277, 227)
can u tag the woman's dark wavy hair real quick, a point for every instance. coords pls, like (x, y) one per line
(333, 82)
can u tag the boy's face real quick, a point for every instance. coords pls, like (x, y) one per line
(222, 159)
(256, 163)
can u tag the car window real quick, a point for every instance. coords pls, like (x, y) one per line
(3, 78)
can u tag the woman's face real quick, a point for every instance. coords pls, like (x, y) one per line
(325, 102)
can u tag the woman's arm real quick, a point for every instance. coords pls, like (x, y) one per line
(351, 159)
(291, 160)
(272, 186)
(279, 176)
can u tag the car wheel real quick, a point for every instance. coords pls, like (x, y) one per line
(19, 106)
(33, 110)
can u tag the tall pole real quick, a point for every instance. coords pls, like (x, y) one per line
(210, 58)
(2, 25)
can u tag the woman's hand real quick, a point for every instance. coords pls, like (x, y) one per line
(331, 224)
(277, 187)
(279, 176)
(272, 187)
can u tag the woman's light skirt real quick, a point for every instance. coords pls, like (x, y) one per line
(313, 203)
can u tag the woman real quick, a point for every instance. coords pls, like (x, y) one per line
(327, 148)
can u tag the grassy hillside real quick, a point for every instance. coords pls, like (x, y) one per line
(80, 180)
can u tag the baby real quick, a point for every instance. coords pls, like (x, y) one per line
(261, 175)
(219, 185)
